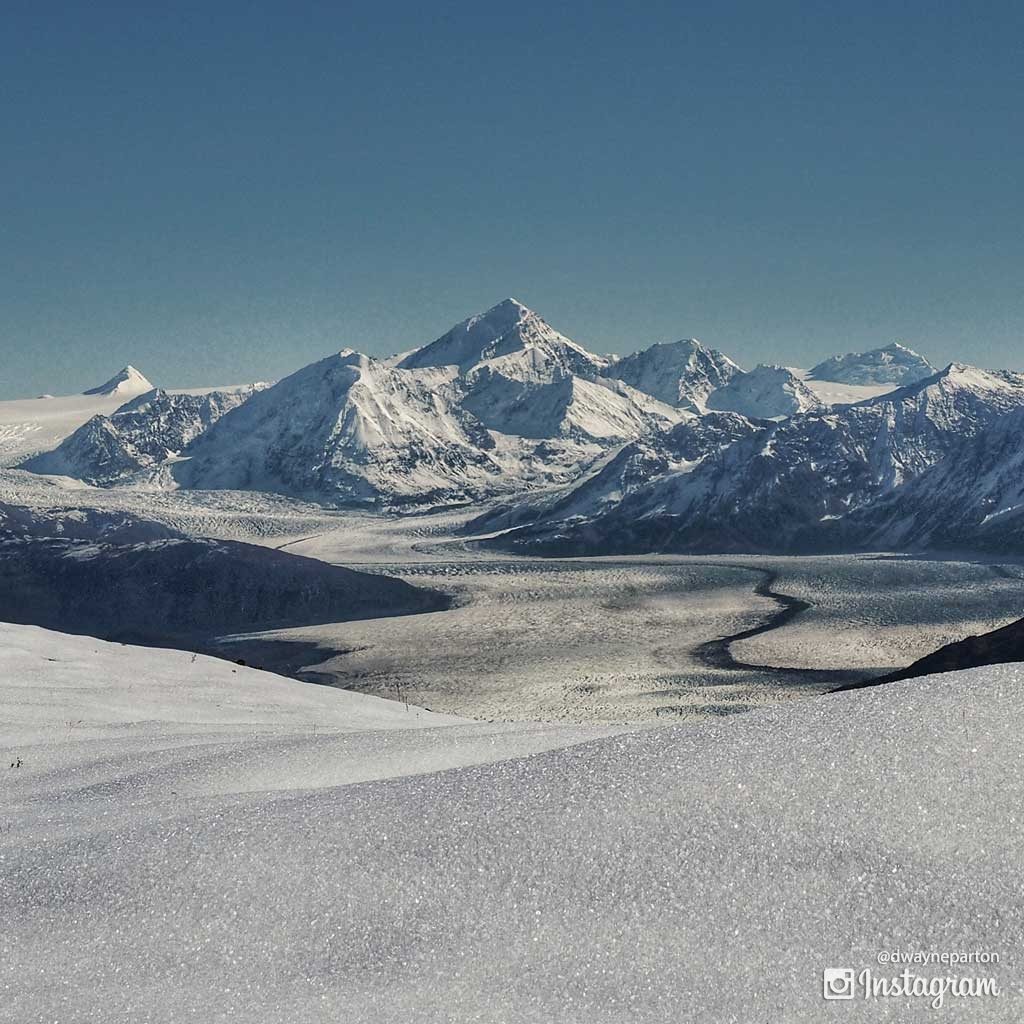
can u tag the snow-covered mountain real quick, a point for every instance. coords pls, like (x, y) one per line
(526, 395)
(141, 435)
(675, 446)
(894, 364)
(806, 482)
(354, 430)
(127, 381)
(766, 392)
(973, 498)
(350, 428)
(681, 373)
(629, 471)
(505, 329)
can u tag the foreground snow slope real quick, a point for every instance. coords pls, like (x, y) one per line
(181, 843)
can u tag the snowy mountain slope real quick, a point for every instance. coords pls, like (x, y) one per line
(348, 428)
(355, 430)
(31, 426)
(140, 435)
(127, 381)
(894, 364)
(681, 373)
(164, 697)
(509, 327)
(157, 795)
(791, 485)
(972, 498)
(629, 470)
(766, 392)
(521, 395)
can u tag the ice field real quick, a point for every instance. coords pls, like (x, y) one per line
(616, 639)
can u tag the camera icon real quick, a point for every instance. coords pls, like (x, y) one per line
(837, 982)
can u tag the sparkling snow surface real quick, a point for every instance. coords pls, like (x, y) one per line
(184, 841)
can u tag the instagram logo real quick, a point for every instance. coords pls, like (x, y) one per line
(837, 982)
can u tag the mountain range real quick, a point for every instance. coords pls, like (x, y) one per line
(675, 447)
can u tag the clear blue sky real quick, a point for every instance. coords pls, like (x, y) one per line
(220, 195)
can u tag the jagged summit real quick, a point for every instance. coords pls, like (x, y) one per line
(766, 392)
(893, 364)
(1001, 387)
(680, 373)
(140, 435)
(504, 329)
(127, 381)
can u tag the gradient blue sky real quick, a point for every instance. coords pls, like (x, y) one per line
(222, 195)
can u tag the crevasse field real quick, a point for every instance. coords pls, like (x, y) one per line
(619, 639)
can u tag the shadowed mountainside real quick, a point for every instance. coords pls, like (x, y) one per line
(133, 581)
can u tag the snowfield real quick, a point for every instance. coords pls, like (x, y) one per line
(185, 840)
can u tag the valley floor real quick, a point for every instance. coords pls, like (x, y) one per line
(619, 639)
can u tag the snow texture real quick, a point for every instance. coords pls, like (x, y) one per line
(183, 840)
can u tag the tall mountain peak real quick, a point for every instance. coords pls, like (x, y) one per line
(680, 373)
(505, 328)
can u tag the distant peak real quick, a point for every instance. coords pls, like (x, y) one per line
(682, 343)
(509, 303)
(892, 364)
(508, 311)
(127, 380)
(503, 329)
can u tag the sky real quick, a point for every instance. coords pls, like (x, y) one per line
(221, 193)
